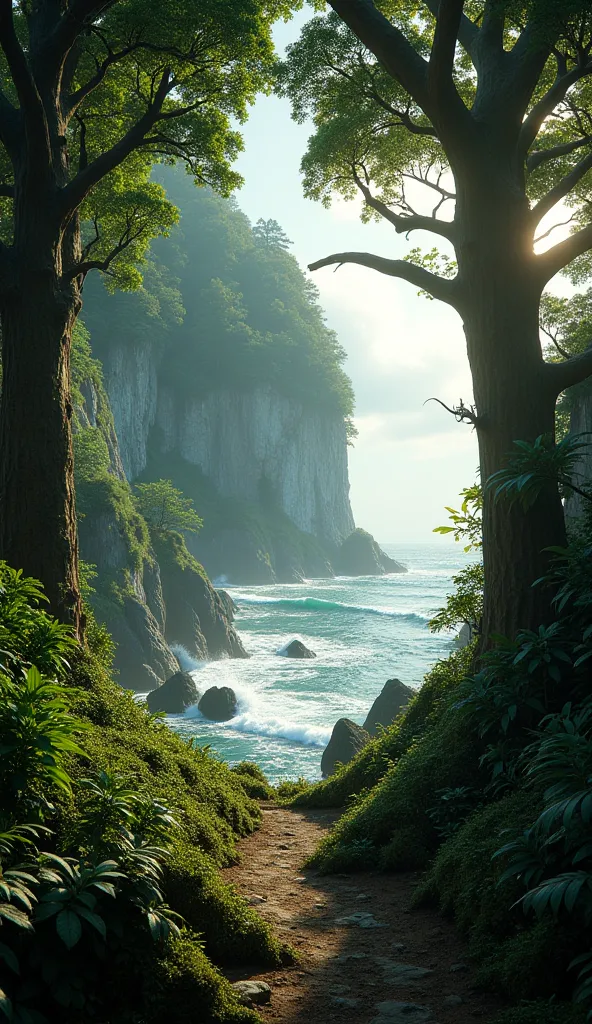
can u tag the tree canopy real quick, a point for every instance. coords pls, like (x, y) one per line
(164, 508)
(231, 306)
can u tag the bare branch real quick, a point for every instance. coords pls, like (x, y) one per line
(540, 156)
(439, 287)
(559, 256)
(461, 412)
(561, 189)
(547, 104)
(24, 83)
(468, 32)
(440, 80)
(561, 224)
(572, 371)
(403, 224)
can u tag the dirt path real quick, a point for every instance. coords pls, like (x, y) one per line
(411, 969)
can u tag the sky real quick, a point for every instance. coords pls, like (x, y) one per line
(410, 459)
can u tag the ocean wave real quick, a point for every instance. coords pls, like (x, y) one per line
(319, 604)
(253, 721)
(186, 660)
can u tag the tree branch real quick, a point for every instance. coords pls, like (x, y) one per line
(546, 105)
(404, 223)
(388, 44)
(559, 256)
(572, 371)
(561, 189)
(440, 68)
(74, 193)
(467, 33)
(540, 156)
(24, 83)
(446, 291)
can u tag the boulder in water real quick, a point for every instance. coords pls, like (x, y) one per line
(296, 649)
(391, 700)
(219, 704)
(179, 692)
(360, 555)
(347, 739)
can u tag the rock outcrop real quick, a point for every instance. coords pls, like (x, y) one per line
(391, 700)
(360, 555)
(219, 704)
(173, 697)
(296, 649)
(196, 616)
(347, 739)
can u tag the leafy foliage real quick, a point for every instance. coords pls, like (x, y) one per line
(465, 605)
(467, 521)
(164, 507)
(104, 878)
(534, 465)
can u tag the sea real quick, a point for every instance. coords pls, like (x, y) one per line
(363, 630)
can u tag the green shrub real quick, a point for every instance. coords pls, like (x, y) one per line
(185, 988)
(376, 759)
(288, 789)
(541, 1012)
(253, 780)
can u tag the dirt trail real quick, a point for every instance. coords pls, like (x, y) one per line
(411, 969)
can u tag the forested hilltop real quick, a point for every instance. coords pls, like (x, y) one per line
(230, 305)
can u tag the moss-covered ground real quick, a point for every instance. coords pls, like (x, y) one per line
(214, 808)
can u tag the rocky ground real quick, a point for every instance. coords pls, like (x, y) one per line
(363, 955)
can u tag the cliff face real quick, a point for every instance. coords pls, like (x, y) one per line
(149, 591)
(245, 443)
(240, 441)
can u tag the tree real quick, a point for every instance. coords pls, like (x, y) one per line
(270, 235)
(487, 105)
(92, 93)
(164, 507)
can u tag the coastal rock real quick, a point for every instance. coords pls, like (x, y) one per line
(347, 739)
(360, 555)
(219, 704)
(195, 614)
(296, 649)
(252, 992)
(393, 697)
(230, 606)
(179, 692)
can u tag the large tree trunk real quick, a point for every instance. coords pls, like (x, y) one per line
(514, 401)
(37, 513)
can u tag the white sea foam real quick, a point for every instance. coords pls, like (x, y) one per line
(186, 660)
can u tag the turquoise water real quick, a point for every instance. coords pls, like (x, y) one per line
(363, 631)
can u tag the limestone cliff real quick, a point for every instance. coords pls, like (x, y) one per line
(149, 591)
(240, 441)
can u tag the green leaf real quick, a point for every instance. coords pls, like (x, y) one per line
(5, 1005)
(68, 928)
(9, 958)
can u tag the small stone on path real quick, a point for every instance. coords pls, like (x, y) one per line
(456, 968)
(453, 1001)
(391, 1012)
(250, 992)
(362, 920)
(254, 900)
(402, 974)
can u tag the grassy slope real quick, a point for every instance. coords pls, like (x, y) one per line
(214, 810)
